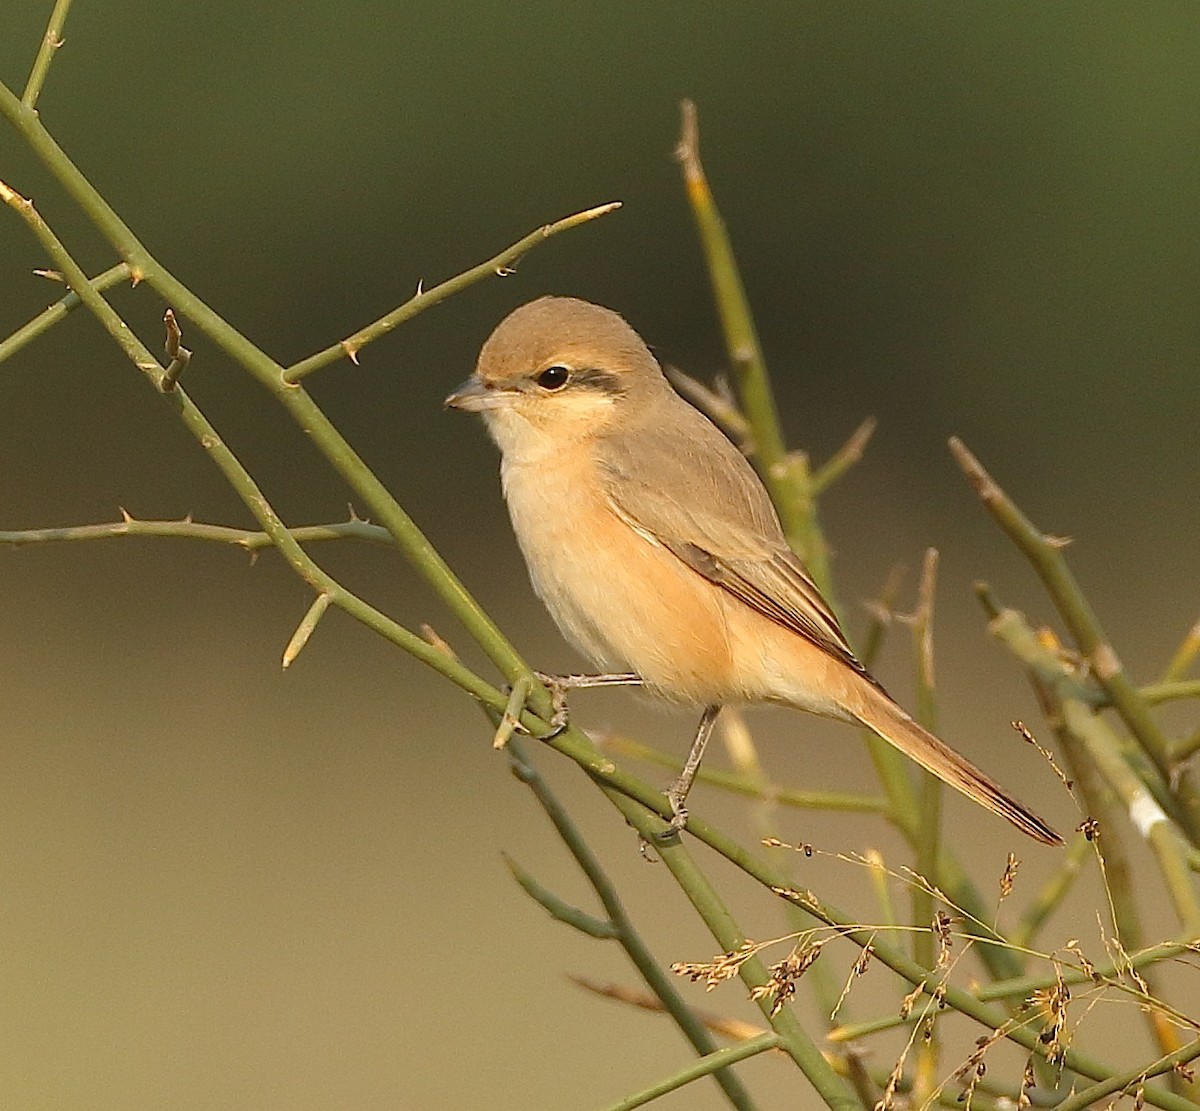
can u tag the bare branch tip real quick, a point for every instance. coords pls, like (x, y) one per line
(306, 628)
(688, 149)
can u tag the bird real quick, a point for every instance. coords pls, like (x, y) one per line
(656, 549)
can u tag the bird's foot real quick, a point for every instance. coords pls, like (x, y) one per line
(679, 814)
(560, 716)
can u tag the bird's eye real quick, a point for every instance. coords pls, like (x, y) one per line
(553, 377)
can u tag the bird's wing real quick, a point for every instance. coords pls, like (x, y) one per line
(717, 519)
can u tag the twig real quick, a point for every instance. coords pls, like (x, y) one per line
(179, 355)
(295, 400)
(1045, 554)
(1157, 693)
(306, 628)
(844, 458)
(794, 1040)
(187, 529)
(741, 784)
(559, 909)
(1122, 1082)
(786, 475)
(50, 316)
(52, 40)
(719, 409)
(239, 478)
(718, 1059)
(929, 825)
(624, 930)
(1185, 655)
(423, 299)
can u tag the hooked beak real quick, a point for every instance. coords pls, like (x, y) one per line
(475, 395)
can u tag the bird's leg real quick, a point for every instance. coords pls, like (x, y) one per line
(560, 684)
(678, 791)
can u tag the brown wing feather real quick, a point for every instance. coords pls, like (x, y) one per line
(725, 530)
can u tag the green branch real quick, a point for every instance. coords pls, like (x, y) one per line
(1131, 1079)
(623, 929)
(48, 317)
(786, 476)
(710, 1063)
(239, 478)
(295, 400)
(1045, 554)
(423, 299)
(52, 40)
(187, 529)
(793, 1039)
(574, 744)
(738, 784)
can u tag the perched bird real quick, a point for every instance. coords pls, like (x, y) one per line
(655, 547)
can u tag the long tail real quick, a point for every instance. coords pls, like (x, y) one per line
(881, 715)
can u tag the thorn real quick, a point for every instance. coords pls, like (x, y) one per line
(50, 275)
(125, 517)
(136, 276)
(1058, 542)
(505, 271)
(351, 350)
(420, 288)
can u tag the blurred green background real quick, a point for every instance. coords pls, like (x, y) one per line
(230, 887)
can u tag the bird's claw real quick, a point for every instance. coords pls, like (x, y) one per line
(679, 818)
(560, 718)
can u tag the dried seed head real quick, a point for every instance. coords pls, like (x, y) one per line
(784, 976)
(910, 1000)
(941, 930)
(722, 967)
(1010, 875)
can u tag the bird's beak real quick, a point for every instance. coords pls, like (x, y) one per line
(475, 395)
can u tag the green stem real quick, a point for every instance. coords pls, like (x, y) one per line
(51, 41)
(785, 476)
(710, 1063)
(1045, 555)
(844, 458)
(624, 931)
(48, 317)
(1184, 656)
(239, 478)
(383, 507)
(575, 745)
(745, 785)
(559, 909)
(248, 539)
(423, 299)
(1165, 839)
(1121, 1082)
(1157, 693)
(1024, 986)
(794, 1040)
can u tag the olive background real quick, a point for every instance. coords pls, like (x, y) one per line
(229, 886)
